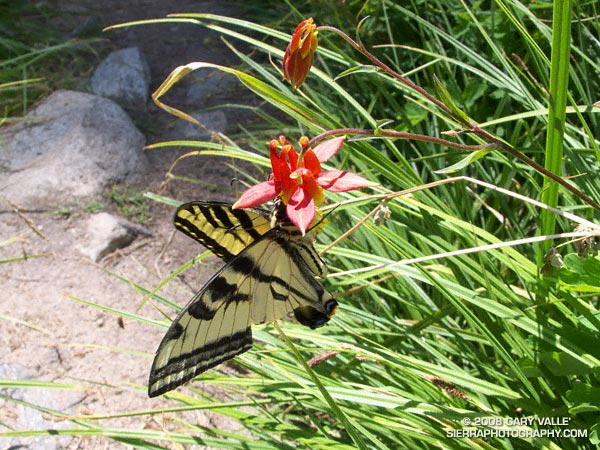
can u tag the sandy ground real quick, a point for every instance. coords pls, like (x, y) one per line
(52, 336)
(45, 332)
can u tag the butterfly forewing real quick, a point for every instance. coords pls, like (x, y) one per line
(271, 278)
(224, 231)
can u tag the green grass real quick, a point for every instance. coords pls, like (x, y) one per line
(131, 204)
(35, 57)
(444, 313)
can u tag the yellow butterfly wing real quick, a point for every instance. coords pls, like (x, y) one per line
(224, 231)
(271, 279)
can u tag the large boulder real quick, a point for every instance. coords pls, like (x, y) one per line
(71, 146)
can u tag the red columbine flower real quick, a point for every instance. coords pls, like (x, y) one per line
(298, 56)
(299, 180)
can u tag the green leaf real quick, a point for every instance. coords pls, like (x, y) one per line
(580, 274)
(562, 364)
(446, 98)
(584, 396)
(466, 161)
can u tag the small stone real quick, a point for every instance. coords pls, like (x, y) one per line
(206, 84)
(107, 233)
(124, 76)
(22, 417)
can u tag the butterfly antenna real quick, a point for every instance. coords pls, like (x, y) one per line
(323, 218)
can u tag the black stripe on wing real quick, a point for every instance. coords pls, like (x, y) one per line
(221, 229)
(184, 367)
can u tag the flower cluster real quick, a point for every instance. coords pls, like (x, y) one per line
(297, 177)
(299, 181)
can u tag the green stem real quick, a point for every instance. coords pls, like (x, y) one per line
(559, 80)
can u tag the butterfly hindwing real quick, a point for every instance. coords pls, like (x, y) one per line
(213, 328)
(275, 273)
(270, 279)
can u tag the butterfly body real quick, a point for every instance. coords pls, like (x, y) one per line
(269, 274)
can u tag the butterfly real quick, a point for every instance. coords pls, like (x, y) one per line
(270, 274)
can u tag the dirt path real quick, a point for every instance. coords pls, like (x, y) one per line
(46, 333)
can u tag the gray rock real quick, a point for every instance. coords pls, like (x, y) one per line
(21, 417)
(124, 76)
(214, 121)
(107, 233)
(206, 84)
(72, 146)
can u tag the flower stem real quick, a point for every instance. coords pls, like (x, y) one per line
(399, 135)
(415, 87)
(494, 142)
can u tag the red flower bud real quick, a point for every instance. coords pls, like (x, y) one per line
(298, 56)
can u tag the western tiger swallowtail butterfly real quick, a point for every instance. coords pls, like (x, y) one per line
(269, 274)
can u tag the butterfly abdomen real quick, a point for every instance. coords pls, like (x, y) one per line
(312, 317)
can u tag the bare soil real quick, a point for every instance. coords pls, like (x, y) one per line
(46, 333)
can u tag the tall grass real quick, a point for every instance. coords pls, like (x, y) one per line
(446, 323)
(32, 54)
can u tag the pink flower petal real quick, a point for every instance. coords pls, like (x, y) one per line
(301, 210)
(327, 149)
(258, 194)
(342, 181)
